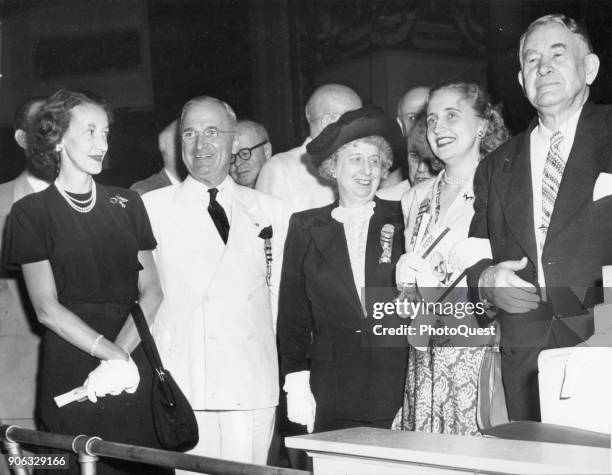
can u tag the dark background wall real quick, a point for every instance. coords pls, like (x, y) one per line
(264, 57)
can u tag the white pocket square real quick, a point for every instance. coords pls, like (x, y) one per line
(603, 186)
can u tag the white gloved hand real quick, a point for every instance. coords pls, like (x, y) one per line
(405, 276)
(301, 405)
(411, 268)
(468, 252)
(112, 377)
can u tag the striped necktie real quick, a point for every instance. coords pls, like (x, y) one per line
(551, 179)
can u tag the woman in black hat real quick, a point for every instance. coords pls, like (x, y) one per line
(341, 367)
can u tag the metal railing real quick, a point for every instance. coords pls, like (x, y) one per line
(89, 448)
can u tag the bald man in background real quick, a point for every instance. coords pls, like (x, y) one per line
(169, 174)
(408, 108)
(254, 150)
(290, 175)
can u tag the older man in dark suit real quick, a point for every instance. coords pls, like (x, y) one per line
(538, 203)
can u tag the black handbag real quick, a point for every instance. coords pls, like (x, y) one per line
(173, 417)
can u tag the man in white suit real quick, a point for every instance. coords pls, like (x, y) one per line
(219, 257)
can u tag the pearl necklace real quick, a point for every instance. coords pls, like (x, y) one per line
(82, 206)
(455, 181)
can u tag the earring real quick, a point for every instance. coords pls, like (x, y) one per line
(59, 147)
(480, 134)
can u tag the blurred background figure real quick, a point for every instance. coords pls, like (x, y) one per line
(172, 172)
(18, 339)
(421, 162)
(254, 150)
(408, 107)
(290, 175)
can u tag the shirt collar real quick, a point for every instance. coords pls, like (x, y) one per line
(226, 187)
(568, 129)
(36, 183)
(171, 177)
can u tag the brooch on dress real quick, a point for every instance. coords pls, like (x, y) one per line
(467, 197)
(386, 242)
(266, 235)
(118, 200)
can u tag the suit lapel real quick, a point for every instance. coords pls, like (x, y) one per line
(330, 240)
(244, 226)
(581, 171)
(517, 195)
(207, 249)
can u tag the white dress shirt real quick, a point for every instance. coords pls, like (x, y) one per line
(540, 144)
(224, 196)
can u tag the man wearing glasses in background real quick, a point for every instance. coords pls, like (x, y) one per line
(219, 257)
(254, 149)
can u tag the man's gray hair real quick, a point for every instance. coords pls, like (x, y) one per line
(569, 23)
(195, 100)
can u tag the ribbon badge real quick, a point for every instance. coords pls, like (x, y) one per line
(266, 235)
(118, 199)
(386, 242)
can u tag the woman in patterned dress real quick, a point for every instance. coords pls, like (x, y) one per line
(441, 384)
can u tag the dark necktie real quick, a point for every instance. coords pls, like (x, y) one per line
(217, 213)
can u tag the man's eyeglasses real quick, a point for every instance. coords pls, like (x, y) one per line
(189, 136)
(245, 153)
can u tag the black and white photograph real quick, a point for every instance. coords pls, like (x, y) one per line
(305, 237)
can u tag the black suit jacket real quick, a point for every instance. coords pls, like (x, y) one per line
(578, 244)
(321, 323)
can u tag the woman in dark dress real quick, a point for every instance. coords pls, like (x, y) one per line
(340, 370)
(85, 253)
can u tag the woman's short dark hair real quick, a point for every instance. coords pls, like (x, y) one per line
(497, 132)
(49, 128)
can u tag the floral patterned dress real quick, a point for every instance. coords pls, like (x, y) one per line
(441, 389)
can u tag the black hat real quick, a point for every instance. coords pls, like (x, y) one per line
(356, 124)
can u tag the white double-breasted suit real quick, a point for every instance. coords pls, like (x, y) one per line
(215, 328)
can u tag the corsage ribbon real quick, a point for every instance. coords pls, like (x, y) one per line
(266, 235)
(386, 242)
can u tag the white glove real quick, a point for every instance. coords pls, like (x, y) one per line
(301, 405)
(112, 377)
(411, 269)
(468, 252)
(405, 275)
